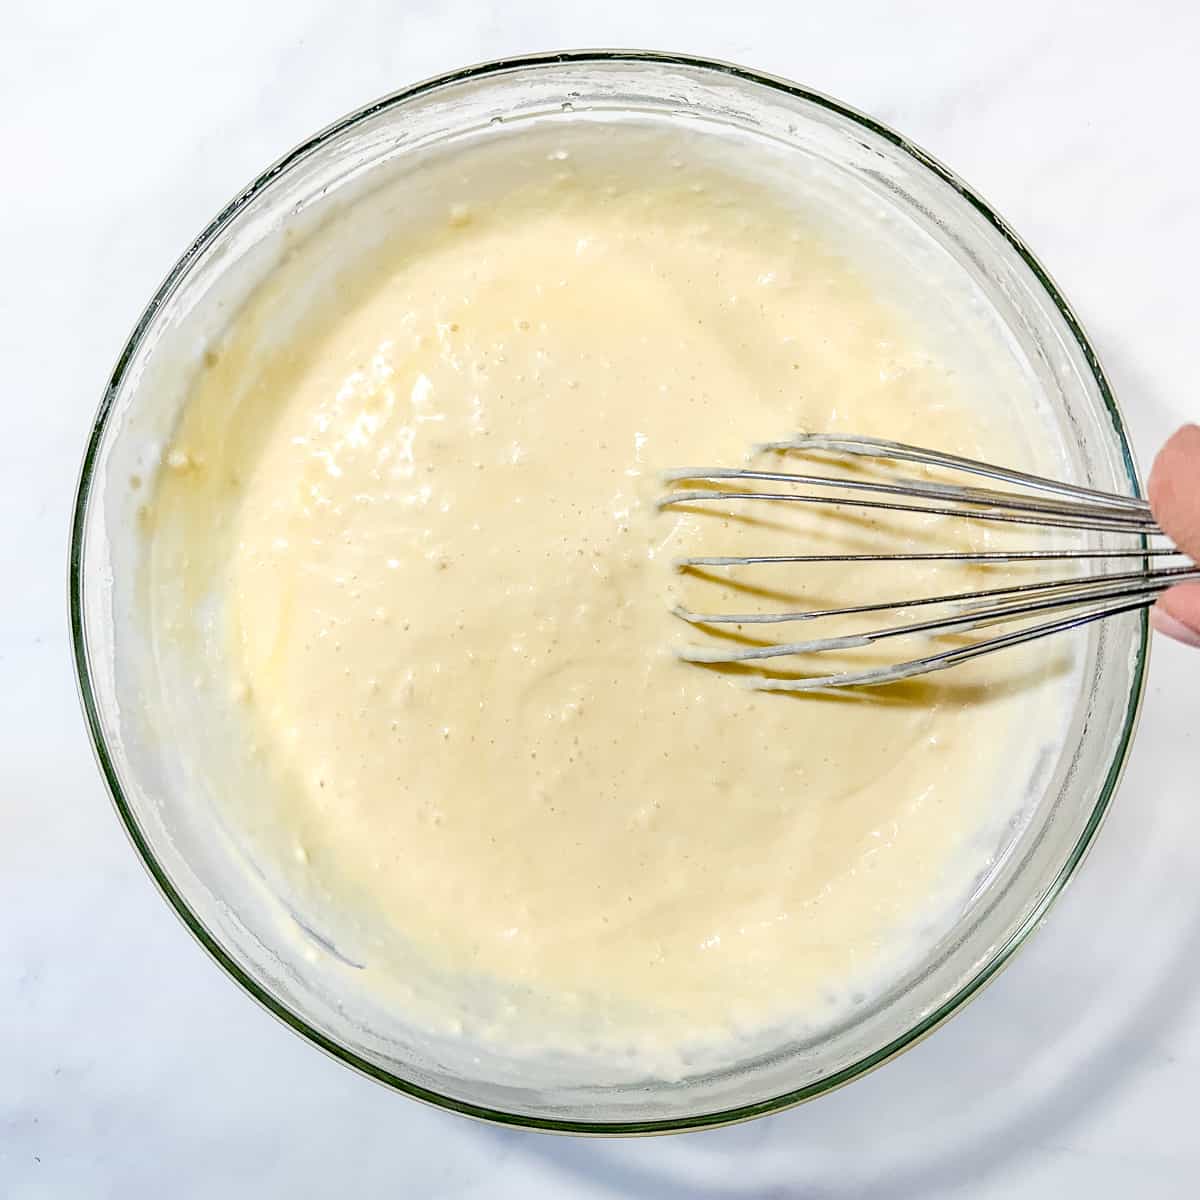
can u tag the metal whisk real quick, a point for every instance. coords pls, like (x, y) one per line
(1032, 501)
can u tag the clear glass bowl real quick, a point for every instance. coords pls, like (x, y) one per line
(201, 871)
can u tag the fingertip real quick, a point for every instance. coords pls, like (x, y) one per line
(1177, 614)
(1174, 489)
(1177, 462)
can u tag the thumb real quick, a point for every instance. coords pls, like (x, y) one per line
(1175, 499)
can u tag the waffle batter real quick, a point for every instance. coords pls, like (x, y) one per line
(436, 593)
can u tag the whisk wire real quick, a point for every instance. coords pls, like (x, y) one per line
(1157, 580)
(880, 448)
(948, 658)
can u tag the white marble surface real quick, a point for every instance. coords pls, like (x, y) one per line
(129, 1066)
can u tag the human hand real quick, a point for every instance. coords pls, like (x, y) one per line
(1175, 499)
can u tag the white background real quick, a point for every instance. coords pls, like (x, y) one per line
(129, 1066)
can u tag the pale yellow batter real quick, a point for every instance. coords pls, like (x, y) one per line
(436, 588)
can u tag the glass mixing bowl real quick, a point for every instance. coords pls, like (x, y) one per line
(202, 871)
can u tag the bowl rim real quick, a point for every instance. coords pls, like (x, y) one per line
(999, 956)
